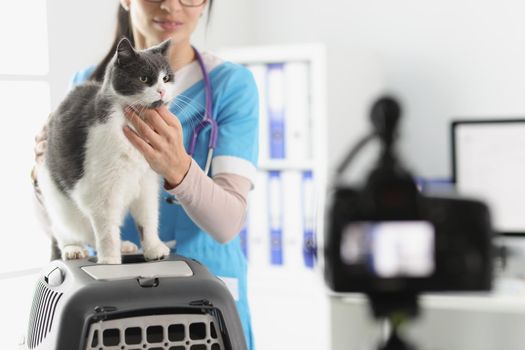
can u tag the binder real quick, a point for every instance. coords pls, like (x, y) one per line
(243, 236)
(275, 217)
(259, 75)
(275, 104)
(308, 215)
(297, 111)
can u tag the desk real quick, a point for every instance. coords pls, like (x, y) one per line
(458, 321)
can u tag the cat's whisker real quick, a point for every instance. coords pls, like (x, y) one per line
(186, 114)
(182, 104)
(195, 104)
(192, 119)
(141, 112)
(185, 101)
(140, 107)
(136, 102)
(188, 100)
(180, 111)
(183, 112)
(136, 106)
(187, 111)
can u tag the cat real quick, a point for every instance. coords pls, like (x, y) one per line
(92, 175)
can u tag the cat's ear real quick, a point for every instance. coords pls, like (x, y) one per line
(125, 51)
(162, 48)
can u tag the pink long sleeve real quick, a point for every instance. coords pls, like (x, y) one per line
(218, 205)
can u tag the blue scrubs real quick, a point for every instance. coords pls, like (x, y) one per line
(236, 110)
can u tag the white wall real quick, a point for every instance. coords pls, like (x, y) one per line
(444, 59)
(80, 32)
(231, 24)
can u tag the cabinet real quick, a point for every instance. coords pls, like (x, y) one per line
(286, 208)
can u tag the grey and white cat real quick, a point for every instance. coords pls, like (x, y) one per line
(92, 175)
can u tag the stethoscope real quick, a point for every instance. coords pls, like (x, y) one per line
(207, 119)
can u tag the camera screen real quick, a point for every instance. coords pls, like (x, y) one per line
(390, 249)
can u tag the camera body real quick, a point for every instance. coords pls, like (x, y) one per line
(387, 238)
(445, 247)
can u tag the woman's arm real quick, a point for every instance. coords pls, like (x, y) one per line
(218, 205)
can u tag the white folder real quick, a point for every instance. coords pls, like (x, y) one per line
(257, 221)
(292, 219)
(297, 111)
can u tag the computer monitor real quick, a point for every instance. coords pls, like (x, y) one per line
(488, 163)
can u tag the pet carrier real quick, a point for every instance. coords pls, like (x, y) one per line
(173, 304)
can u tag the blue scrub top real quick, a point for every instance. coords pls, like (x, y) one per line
(235, 100)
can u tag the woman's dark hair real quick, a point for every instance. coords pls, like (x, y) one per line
(123, 31)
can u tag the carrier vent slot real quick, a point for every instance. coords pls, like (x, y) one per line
(156, 332)
(42, 313)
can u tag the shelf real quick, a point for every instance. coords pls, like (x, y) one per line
(275, 54)
(503, 299)
(286, 165)
(282, 204)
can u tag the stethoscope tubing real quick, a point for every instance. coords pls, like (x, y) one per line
(208, 116)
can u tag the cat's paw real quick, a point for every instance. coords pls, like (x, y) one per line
(73, 252)
(109, 260)
(156, 252)
(127, 247)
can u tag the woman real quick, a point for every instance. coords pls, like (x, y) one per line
(203, 212)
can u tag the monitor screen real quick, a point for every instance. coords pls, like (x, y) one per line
(489, 164)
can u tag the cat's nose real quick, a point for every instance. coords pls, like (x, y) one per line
(161, 93)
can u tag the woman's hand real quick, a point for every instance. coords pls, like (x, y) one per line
(41, 144)
(158, 137)
(40, 149)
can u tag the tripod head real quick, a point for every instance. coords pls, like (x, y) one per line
(385, 115)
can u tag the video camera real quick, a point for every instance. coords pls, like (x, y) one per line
(392, 242)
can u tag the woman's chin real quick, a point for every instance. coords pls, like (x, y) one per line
(175, 37)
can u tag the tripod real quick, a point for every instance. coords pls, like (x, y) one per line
(395, 309)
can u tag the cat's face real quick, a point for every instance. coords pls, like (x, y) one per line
(142, 78)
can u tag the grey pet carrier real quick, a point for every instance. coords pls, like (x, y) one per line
(173, 304)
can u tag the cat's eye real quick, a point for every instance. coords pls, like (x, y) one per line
(143, 79)
(166, 78)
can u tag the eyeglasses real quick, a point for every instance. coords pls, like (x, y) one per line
(187, 3)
